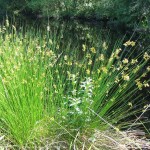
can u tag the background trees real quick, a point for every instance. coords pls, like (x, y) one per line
(128, 11)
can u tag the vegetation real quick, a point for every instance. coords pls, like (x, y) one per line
(129, 12)
(52, 92)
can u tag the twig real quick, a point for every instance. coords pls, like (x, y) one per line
(138, 117)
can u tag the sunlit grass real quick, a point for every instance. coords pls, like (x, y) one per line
(45, 91)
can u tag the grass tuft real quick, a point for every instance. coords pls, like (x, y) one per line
(56, 94)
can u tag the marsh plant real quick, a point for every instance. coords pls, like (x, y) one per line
(46, 92)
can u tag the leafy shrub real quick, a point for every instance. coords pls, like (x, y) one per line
(128, 12)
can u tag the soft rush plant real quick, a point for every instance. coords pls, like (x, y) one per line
(45, 91)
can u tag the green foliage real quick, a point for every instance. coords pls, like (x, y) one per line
(129, 11)
(3, 6)
(47, 89)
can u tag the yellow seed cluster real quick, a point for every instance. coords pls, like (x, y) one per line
(93, 50)
(105, 47)
(129, 43)
(125, 61)
(146, 56)
(84, 47)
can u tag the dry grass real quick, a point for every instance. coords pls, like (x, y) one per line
(100, 140)
(127, 140)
